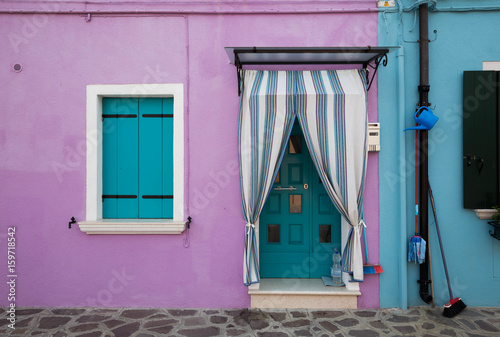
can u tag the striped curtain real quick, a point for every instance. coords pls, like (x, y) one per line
(265, 122)
(331, 106)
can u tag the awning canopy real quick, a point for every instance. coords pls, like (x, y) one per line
(240, 56)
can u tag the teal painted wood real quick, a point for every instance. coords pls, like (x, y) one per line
(109, 164)
(150, 157)
(120, 151)
(138, 157)
(127, 160)
(168, 158)
(120, 157)
(299, 253)
(323, 213)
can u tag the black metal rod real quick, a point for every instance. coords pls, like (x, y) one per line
(118, 196)
(158, 115)
(423, 150)
(119, 116)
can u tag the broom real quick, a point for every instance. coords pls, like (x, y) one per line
(455, 305)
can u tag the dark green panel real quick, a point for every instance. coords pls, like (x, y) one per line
(480, 139)
(486, 159)
(470, 106)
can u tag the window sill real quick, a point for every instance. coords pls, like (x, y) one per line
(132, 226)
(485, 214)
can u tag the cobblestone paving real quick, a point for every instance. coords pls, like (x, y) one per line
(124, 322)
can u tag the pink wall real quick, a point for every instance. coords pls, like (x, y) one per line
(42, 152)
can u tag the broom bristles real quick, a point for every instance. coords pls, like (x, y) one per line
(453, 307)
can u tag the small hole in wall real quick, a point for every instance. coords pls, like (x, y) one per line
(17, 67)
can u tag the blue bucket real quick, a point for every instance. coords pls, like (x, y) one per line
(425, 118)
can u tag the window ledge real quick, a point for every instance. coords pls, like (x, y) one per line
(485, 214)
(132, 226)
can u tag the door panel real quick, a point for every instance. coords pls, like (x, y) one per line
(294, 216)
(325, 230)
(290, 209)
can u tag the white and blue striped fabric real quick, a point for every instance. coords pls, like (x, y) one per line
(331, 107)
(265, 122)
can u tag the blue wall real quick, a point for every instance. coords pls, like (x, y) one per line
(462, 42)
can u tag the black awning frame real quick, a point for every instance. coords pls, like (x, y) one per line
(368, 57)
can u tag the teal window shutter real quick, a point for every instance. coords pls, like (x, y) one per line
(120, 158)
(150, 158)
(138, 158)
(168, 157)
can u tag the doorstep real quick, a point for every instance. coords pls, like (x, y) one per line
(276, 293)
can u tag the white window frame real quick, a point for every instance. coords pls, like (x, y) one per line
(94, 223)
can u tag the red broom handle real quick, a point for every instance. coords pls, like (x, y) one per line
(416, 182)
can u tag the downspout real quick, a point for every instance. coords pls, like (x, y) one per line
(423, 89)
(403, 265)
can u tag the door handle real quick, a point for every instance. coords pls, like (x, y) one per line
(481, 164)
(279, 188)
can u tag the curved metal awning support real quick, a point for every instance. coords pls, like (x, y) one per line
(368, 57)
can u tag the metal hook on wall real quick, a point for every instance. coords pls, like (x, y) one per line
(73, 221)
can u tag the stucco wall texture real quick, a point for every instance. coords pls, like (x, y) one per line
(43, 151)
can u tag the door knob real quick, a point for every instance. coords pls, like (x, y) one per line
(306, 186)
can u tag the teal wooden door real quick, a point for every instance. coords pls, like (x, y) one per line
(299, 227)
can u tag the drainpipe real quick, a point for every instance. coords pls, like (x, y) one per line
(423, 89)
(403, 270)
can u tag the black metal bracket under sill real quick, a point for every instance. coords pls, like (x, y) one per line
(496, 232)
(368, 57)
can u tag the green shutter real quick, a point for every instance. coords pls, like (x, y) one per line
(480, 139)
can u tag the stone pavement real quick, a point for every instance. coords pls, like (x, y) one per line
(124, 322)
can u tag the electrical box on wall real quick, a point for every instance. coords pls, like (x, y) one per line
(373, 136)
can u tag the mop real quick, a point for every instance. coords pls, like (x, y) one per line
(417, 245)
